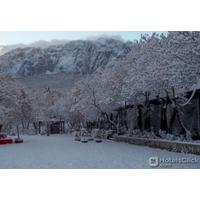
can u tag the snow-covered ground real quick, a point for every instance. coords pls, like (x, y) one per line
(61, 151)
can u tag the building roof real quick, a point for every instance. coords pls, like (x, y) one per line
(156, 101)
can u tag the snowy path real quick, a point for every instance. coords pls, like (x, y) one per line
(61, 151)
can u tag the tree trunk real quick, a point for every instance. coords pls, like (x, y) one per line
(163, 120)
(1, 127)
(172, 120)
(111, 118)
(125, 120)
(35, 127)
(111, 122)
(23, 125)
(17, 131)
(39, 126)
(27, 125)
(198, 115)
(177, 114)
(147, 114)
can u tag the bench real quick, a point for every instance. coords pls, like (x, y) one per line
(6, 141)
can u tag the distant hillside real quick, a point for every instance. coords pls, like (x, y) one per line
(55, 81)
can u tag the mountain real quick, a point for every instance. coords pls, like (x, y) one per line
(82, 57)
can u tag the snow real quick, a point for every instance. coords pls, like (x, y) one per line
(49, 72)
(61, 151)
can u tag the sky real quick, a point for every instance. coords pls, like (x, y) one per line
(27, 37)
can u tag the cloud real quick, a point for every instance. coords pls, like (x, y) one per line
(104, 36)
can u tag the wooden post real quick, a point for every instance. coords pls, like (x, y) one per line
(125, 119)
(147, 121)
(39, 123)
(198, 114)
(140, 124)
(111, 118)
(163, 118)
(18, 131)
(177, 114)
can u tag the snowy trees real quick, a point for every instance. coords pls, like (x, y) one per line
(20, 106)
(8, 99)
(15, 106)
(47, 104)
(158, 66)
(98, 95)
(157, 63)
(166, 66)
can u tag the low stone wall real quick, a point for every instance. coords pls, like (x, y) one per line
(185, 147)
